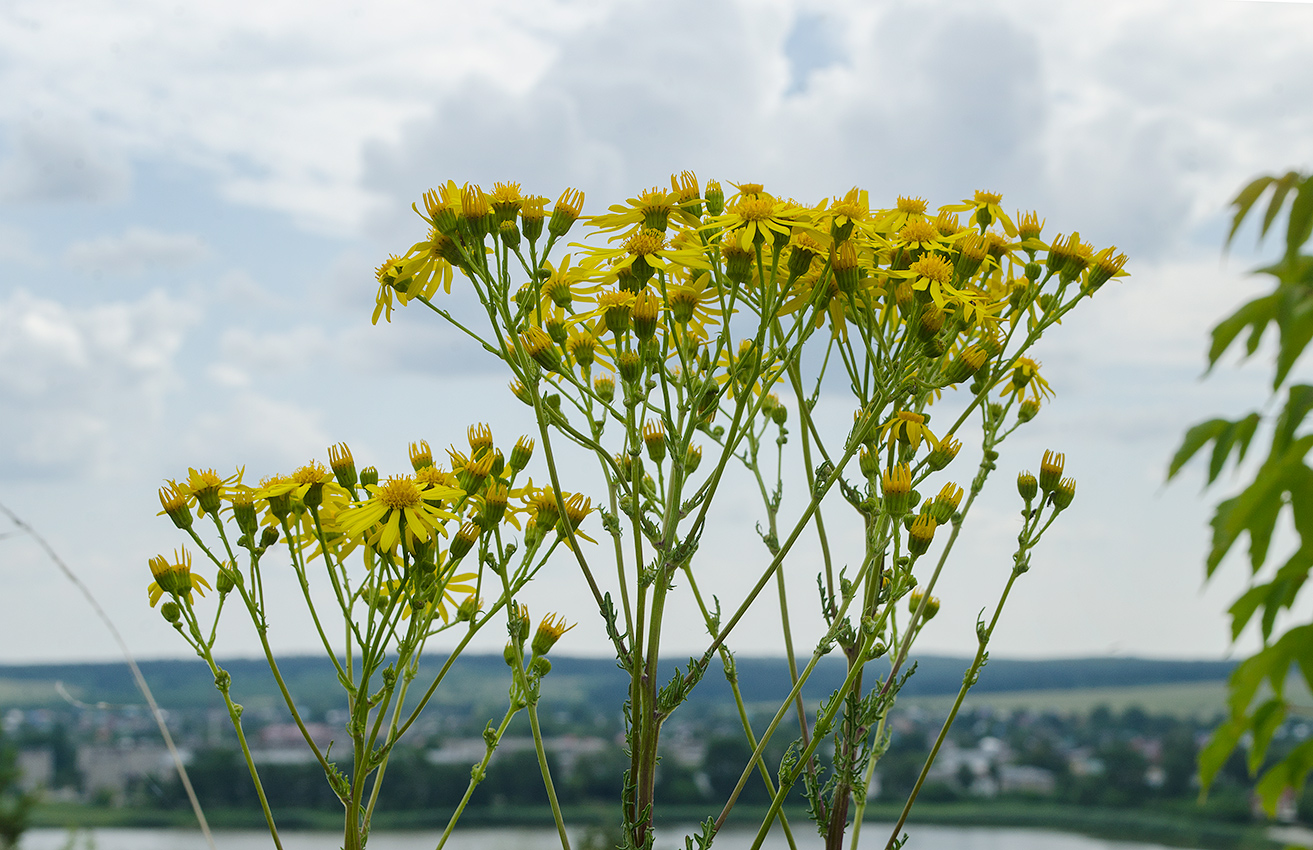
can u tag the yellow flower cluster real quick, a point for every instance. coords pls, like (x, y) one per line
(678, 262)
(400, 522)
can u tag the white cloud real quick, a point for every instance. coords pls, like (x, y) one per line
(60, 161)
(137, 250)
(83, 384)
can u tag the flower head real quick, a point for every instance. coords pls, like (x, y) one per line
(174, 577)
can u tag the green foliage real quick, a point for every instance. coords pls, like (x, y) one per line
(1258, 704)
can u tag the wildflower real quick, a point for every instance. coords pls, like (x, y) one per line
(905, 210)
(920, 534)
(654, 437)
(1064, 493)
(174, 577)
(931, 603)
(1050, 471)
(480, 438)
(566, 212)
(421, 455)
(966, 364)
(945, 504)
(521, 454)
(506, 201)
(1026, 374)
(531, 216)
(1105, 266)
(207, 488)
(1027, 486)
(549, 632)
(756, 218)
(908, 428)
(1068, 259)
(343, 464)
(944, 453)
(896, 485)
(933, 275)
(1029, 230)
(984, 208)
(692, 459)
(397, 505)
(173, 498)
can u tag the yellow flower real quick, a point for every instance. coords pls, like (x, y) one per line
(392, 503)
(174, 577)
(933, 274)
(906, 210)
(1025, 374)
(208, 488)
(645, 252)
(693, 303)
(549, 632)
(985, 210)
(908, 428)
(759, 218)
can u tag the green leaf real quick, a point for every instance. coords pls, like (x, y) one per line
(1290, 772)
(1295, 321)
(1246, 678)
(1223, 538)
(1265, 722)
(1299, 402)
(1244, 433)
(1256, 313)
(1194, 440)
(1218, 749)
(1300, 226)
(1280, 188)
(1245, 200)
(1242, 610)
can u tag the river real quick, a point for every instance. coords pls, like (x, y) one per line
(922, 838)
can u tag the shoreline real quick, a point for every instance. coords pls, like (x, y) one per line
(1176, 828)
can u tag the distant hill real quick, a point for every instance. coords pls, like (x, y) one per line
(478, 680)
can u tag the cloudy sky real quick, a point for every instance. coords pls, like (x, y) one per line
(193, 198)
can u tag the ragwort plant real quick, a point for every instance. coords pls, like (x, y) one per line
(663, 350)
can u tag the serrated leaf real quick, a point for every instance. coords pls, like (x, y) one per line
(1245, 200)
(1256, 313)
(1289, 772)
(1243, 608)
(1222, 537)
(1221, 450)
(1194, 440)
(1244, 433)
(1299, 402)
(1280, 188)
(1300, 225)
(1246, 678)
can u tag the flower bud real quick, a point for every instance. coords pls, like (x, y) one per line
(540, 348)
(921, 533)
(630, 366)
(226, 580)
(421, 456)
(1065, 492)
(779, 415)
(1027, 486)
(654, 437)
(268, 537)
(931, 603)
(171, 611)
(868, 461)
(965, 364)
(522, 453)
(715, 198)
(463, 541)
(692, 459)
(1028, 410)
(604, 386)
(556, 329)
(510, 234)
(368, 476)
(896, 486)
(343, 465)
(468, 609)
